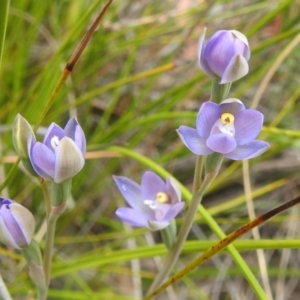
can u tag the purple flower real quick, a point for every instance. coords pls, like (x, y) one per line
(153, 204)
(225, 55)
(61, 155)
(227, 128)
(16, 224)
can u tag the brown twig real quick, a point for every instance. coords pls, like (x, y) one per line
(72, 61)
(224, 243)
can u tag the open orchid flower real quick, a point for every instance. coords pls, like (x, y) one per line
(61, 155)
(154, 203)
(225, 55)
(227, 128)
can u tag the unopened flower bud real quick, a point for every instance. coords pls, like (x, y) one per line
(225, 55)
(21, 133)
(16, 224)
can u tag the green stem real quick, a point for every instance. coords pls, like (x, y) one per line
(42, 295)
(174, 253)
(49, 245)
(56, 211)
(198, 174)
(168, 234)
(46, 193)
(219, 92)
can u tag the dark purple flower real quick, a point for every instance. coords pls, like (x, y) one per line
(225, 55)
(61, 155)
(227, 128)
(153, 204)
(16, 224)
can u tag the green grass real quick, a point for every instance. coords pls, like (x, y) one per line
(137, 81)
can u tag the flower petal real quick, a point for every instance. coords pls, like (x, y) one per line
(53, 131)
(25, 221)
(205, 67)
(131, 191)
(152, 184)
(12, 226)
(248, 124)
(193, 141)
(157, 225)
(236, 69)
(221, 143)
(5, 236)
(74, 131)
(134, 217)
(161, 210)
(174, 211)
(219, 51)
(232, 106)
(243, 38)
(42, 160)
(202, 60)
(201, 43)
(173, 190)
(208, 114)
(69, 160)
(250, 150)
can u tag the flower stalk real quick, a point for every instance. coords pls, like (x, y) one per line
(168, 234)
(56, 211)
(219, 92)
(47, 196)
(173, 255)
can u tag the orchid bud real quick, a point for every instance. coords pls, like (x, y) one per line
(21, 134)
(61, 155)
(16, 224)
(225, 55)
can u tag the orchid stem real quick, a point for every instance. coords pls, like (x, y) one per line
(168, 234)
(46, 193)
(198, 173)
(42, 295)
(56, 211)
(219, 92)
(51, 224)
(174, 253)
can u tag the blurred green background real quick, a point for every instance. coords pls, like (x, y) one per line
(135, 84)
